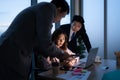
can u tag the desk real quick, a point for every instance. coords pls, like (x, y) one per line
(96, 69)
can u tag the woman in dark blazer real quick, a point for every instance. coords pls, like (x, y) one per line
(30, 27)
(77, 21)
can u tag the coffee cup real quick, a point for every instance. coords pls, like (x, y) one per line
(55, 68)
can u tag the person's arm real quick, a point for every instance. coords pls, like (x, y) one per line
(43, 29)
(69, 52)
(85, 38)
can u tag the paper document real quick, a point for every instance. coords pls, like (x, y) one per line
(68, 76)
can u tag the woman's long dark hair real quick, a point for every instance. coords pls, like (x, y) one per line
(56, 35)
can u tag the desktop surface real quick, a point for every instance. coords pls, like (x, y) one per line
(97, 70)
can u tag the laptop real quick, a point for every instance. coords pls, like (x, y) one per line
(89, 60)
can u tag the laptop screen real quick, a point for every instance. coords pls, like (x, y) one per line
(91, 56)
(89, 60)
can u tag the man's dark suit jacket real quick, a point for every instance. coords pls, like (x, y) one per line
(72, 45)
(32, 25)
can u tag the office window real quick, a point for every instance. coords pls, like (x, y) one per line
(94, 23)
(44, 1)
(8, 11)
(113, 18)
(66, 19)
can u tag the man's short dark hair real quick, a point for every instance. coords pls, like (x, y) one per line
(78, 18)
(62, 4)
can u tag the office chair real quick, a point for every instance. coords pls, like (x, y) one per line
(34, 69)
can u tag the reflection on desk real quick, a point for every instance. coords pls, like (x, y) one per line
(96, 70)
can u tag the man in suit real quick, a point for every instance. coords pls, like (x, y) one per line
(30, 27)
(77, 27)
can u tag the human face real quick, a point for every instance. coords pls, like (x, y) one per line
(60, 41)
(59, 15)
(76, 26)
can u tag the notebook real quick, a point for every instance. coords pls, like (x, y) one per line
(89, 60)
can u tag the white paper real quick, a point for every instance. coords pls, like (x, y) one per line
(68, 76)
